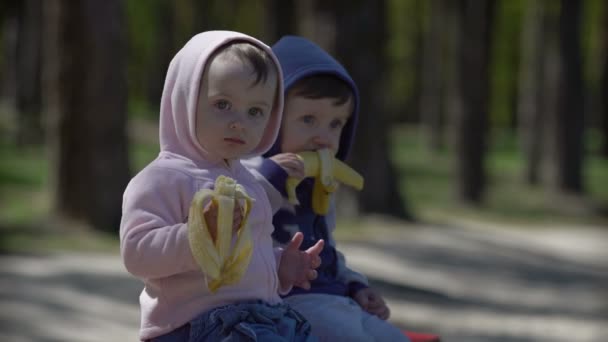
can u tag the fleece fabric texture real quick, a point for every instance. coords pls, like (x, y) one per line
(301, 58)
(153, 232)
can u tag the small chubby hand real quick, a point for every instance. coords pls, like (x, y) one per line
(372, 302)
(291, 163)
(210, 213)
(297, 267)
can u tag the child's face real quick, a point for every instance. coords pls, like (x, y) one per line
(232, 113)
(312, 124)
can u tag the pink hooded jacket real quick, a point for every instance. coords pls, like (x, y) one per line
(153, 231)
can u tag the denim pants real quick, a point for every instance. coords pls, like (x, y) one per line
(339, 318)
(246, 322)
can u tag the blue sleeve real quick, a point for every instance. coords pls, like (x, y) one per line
(354, 287)
(275, 174)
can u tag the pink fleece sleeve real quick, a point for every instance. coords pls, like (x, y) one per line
(153, 233)
(278, 253)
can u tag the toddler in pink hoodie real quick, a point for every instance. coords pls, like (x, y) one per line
(222, 101)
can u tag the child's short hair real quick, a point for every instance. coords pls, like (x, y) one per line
(322, 86)
(246, 52)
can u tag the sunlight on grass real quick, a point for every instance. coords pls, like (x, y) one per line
(141, 155)
(428, 181)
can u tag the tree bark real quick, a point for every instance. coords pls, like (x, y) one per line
(279, 20)
(85, 93)
(604, 87)
(453, 97)
(360, 44)
(28, 87)
(476, 24)
(551, 70)
(8, 72)
(571, 116)
(431, 94)
(164, 50)
(530, 111)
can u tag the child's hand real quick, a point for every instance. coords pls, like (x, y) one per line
(291, 163)
(372, 302)
(297, 267)
(210, 213)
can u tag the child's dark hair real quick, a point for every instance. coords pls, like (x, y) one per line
(246, 52)
(323, 86)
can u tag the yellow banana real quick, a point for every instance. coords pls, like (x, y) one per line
(221, 264)
(328, 171)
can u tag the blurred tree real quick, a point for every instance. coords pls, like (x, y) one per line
(85, 98)
(163, 47)
(453, 100)
(604, 85)
(9, 19)
(550, 88)
(406, 23)
(317, 21)
(360, 44)
(28, 87)
(431, 99)
(476, 24)
(506, 44)
(530, 111)
(570, 110)
(279, 20)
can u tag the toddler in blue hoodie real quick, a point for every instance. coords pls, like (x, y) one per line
(321, 108)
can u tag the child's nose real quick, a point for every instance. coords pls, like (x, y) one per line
(236, 124)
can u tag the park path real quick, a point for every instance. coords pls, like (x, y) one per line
(465, 282)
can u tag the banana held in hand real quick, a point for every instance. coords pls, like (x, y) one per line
(328, 171)
(221, 264)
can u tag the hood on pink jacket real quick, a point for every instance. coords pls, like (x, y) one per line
(180, 96)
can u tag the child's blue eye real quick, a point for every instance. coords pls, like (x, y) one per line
(337, 124)
(308, 119)
(222, 105)
(256, 112)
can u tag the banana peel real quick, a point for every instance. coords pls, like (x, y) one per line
(220, 262)
(328, 172)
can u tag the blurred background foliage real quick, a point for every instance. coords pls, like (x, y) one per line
(489, 110)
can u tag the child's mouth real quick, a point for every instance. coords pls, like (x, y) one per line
(235, 141)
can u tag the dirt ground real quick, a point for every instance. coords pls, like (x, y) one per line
(464, 282)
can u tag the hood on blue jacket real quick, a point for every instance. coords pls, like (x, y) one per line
(300, 58)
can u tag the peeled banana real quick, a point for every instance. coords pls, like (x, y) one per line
(221, 264)
(327, 171)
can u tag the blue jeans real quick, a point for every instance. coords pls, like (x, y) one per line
(340, 318)
(246, 322)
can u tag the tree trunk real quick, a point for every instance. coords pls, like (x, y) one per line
(360, 44)
(279, 20)
(530, 109)
(604, 88)
(453, 98)
(570, 120)
(164, 50)
(551, 71)
(85, 91)
(8, 72)
(476, 24)
(431, 99)
(29, 121)
(317, 21)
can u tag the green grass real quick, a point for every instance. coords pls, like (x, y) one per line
(23, 179)
(142, 154)
(38, 238)
(428, 180)
(25, 222)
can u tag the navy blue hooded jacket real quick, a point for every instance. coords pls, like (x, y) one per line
(301, 58)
